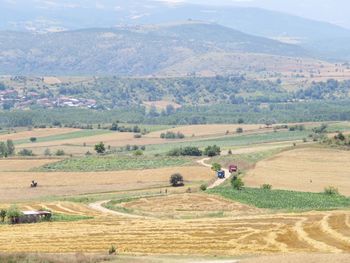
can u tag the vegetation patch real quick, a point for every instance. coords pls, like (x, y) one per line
(283, 200)
(95, 163)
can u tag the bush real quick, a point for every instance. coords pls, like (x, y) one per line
(13, 214)
(60, 153)
(172, 135)
(212, 151)
(237, 183)
(266, 187)
(138, 153)
(138, 136)
(331, 190)
(100, 148)
(216, 167)
(112, 250)
(47, 152)
(176, 180)
(33, 139)
(26, 152)
(187, 151)
(3, 215)
(239, 130)
(203, 187)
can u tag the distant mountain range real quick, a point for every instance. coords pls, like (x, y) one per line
(142, 50)
(50, 37)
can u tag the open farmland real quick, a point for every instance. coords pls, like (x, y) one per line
(14, 165)
(15, 185)
(306, 169)
(326, 232)
(185, 206)
(38, 133)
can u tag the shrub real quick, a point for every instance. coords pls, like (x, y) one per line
(266, 187)
(26, 152)
(138, 136)
(112, 250)
(331, 190)
(3, 215)
(229, 152)
(47, 152)
(60, 153)
(239, 130)
(138, 153)
(172, 135)
(187, 151)
(176, 180)
(203, 187)
(100, 148)
(237, 183)
(212, 151)
(33, 139)
(13, 214)
(216, 167)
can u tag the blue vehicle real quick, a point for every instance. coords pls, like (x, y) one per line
(221, 174)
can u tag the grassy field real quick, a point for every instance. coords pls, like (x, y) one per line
(117, 163)
(227, 142)
(309, 169)
(283, 200)
(65, 136)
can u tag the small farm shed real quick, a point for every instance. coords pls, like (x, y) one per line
(31, 217)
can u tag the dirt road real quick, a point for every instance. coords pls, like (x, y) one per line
(218, 180)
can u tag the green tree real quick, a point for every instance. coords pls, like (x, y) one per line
(3, 215)
(237, 183)
(216, 167)
(13, 214)
(100, 148)
(212, 151)
(176, 180)
(10, 147)
(33, 139)
(3, 150)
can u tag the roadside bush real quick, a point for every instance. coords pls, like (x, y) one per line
(212, 151)
(176, 180)
(203, 187)
(330, 190)
(266, 187)
(25, 152)
(216, 167)
(237, 183)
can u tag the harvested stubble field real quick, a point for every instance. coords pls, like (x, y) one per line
(26, 135)
(254, 234)
(15, 185)
(25, 164)
(306, 169)
(187, 206)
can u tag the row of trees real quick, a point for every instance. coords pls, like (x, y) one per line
(195, 151)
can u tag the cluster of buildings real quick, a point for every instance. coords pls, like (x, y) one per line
(11, 99)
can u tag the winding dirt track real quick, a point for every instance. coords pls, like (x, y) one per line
(218, 180)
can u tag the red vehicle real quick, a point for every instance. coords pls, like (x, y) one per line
(233, 168)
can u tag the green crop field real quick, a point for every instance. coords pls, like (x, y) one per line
(233, 141)
(283, 200)
(66, 136)
(119, 163)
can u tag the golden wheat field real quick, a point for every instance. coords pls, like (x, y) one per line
(326, 232)
(307, 169)
(15, 185)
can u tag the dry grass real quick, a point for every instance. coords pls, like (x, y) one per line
(322, 232)
(308, 169)
(11, 165)
(15, 185)
(36, 133)
(52, 80)
(209, 129)
(188, 206)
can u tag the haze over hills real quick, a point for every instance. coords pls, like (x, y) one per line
(53, 16)
(129, 51)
